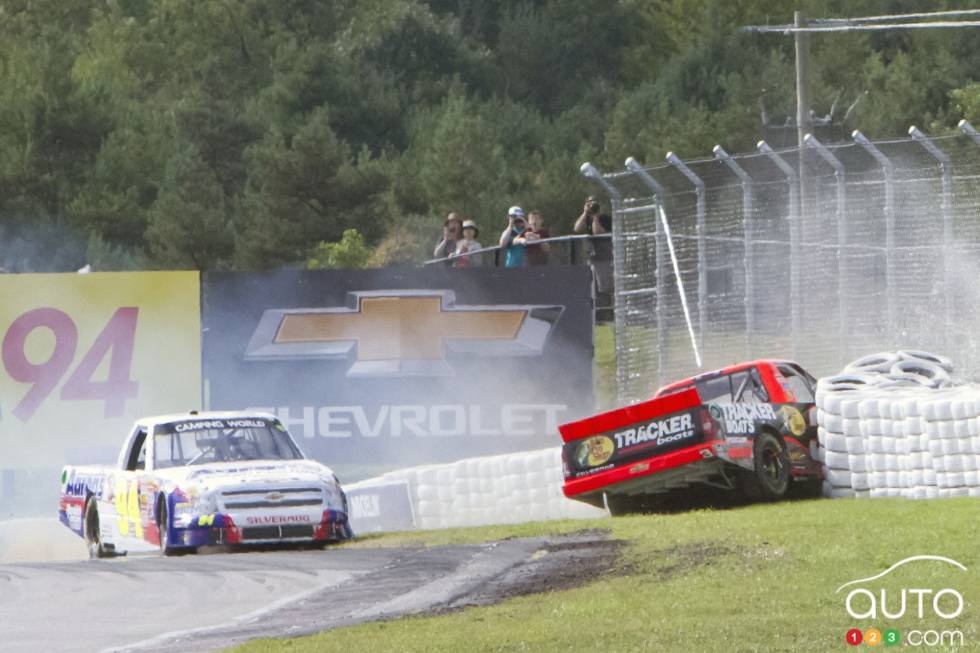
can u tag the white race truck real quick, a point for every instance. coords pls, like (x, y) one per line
(195, 479)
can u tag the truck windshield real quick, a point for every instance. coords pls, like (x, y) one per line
(215, 441)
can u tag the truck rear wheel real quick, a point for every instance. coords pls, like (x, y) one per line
(93, 534)
(770, 479)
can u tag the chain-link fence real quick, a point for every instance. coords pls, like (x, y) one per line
(819, 255)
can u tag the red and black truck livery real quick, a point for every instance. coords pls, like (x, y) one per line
(749, 427)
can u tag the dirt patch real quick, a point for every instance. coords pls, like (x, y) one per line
(682, 559)
(565, 562)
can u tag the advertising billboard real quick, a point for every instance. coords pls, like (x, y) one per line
(399, 367)
(85, 355)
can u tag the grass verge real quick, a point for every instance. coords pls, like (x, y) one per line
(757, 578)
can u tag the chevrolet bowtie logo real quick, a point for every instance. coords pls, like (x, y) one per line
(402, 332)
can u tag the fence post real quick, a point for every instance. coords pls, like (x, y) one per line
(658, 235)
(700, 229)
(591, 172)
(793, 181)
(842, 267)
(968, 129)
(747, 234)
(947, 209)
(888, 170)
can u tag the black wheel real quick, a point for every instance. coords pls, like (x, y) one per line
(93, 536)
(163, 523)
(770, 480)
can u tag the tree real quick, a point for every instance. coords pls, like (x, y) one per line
(303, 190)
(189, 224)
(349, 252)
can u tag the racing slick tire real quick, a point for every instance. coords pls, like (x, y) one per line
(770, 480)
(93, 535)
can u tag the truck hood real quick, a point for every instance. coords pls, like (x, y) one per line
(220, 476)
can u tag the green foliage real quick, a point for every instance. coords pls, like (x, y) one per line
(239, 134)
(349, 252)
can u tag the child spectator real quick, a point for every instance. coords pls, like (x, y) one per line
(451, 234)
(469, 243)
(513, 251)
(536, 254)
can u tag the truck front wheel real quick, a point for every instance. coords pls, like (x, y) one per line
(770, 479)
(93, 533)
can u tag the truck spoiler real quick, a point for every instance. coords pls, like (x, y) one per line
(620, 417)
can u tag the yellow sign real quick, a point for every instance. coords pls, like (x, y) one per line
(82, 356)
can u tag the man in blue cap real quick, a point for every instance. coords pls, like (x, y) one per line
(516, 224)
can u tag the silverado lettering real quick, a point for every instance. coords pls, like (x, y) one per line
(277, 519)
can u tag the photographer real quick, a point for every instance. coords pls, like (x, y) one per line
(595, 223)
(512, 248)
(452, 233)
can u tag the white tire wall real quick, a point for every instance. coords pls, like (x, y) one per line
(504, 489)
(898, 424)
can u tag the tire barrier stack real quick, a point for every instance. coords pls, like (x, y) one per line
(898, 424)
(503, 489)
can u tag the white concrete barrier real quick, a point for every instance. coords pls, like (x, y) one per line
(503, 489)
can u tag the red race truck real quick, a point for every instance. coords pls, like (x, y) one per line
(749, 427)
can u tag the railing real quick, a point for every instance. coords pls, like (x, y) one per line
(570, 243)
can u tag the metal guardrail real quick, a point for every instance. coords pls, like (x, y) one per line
(573, 258)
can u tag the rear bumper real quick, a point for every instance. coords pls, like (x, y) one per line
(220, 529)
(631, 473)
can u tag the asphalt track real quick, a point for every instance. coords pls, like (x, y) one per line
(211, 601)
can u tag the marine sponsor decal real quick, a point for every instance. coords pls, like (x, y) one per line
(741, 418)
(661, 431)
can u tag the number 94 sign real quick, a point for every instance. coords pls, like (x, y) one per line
(66, 363)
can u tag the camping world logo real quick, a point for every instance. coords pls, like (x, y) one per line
(393, 333)
(880, 604)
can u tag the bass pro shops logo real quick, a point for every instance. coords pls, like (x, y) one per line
(394, 333)
(924, 604)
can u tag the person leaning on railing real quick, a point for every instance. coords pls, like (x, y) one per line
(536, 253)
(595, 223)
(468, 244)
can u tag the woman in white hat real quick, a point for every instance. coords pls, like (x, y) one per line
(468, 243)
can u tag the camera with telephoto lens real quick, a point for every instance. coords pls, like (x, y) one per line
(593, 207)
